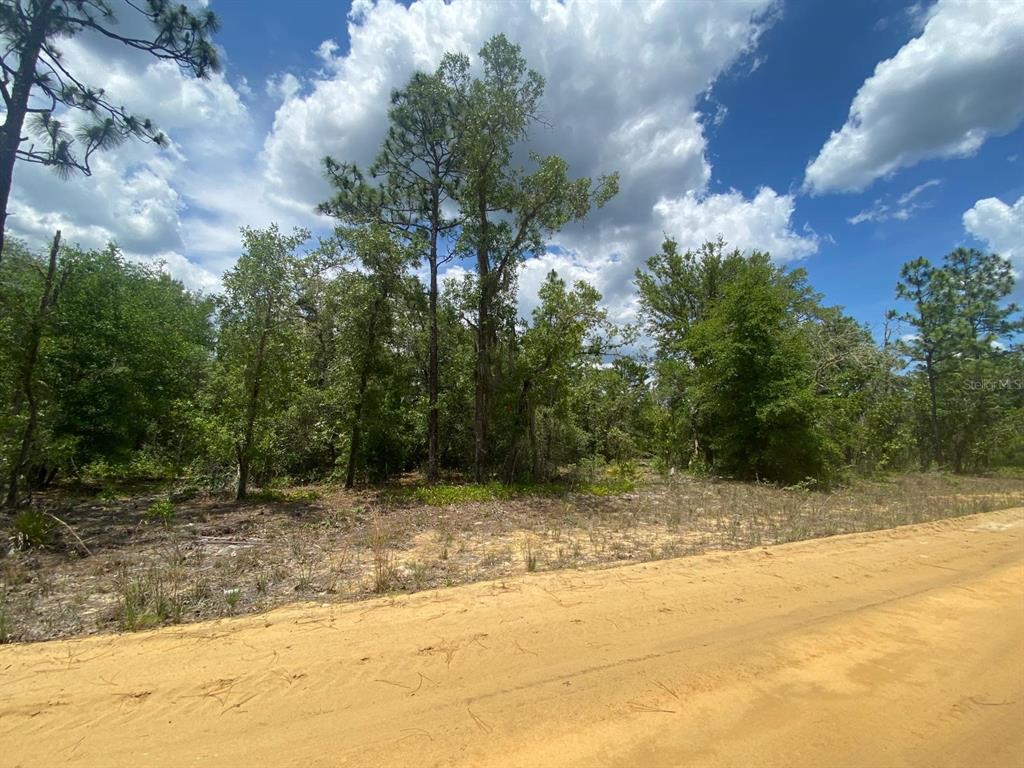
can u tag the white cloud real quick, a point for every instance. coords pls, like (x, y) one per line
(884, 209)
(623, 80)
(191, 274)
(908, 196)
(999, 226)
(942, 95)
(623, 83)
(126, 199)
(283, 87)
(762, 223)
(139, 195)
(533, 273)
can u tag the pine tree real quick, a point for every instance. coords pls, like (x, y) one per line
(37, 85)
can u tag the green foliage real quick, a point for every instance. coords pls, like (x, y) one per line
(966, 383)
(752, 373)
(753, 385)
(33, 529)
(334, 361)
(563, 345)
(283, 496)
(442, 495)
(32, 32)
(446, 495)
(121, 355)
(260, 351)
(160, 512)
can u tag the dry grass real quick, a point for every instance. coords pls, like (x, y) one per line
(215, 558)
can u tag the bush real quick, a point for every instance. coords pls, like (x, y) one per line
(33, 529)
(161, 512)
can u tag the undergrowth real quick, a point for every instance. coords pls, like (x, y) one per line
(451, 494)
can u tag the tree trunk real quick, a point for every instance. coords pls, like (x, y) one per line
(364, 380)
(17, 109)
(243, 451)
(357, 431)
(243, 473)
(353, 450)
(539, 473)
(432, 364)
(934, 412)
(522, 424)
(28, 396)
(482, 371)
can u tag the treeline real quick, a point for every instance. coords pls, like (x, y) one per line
(334, 359)
(314, 364)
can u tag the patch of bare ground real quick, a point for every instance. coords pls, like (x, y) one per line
(212, 557)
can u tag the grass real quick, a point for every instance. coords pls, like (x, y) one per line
(529, 555)
(273, 495)
(445, 495)
(214, 558)
(232, 597)
(148, 599)
(4, 622)
(385, 573)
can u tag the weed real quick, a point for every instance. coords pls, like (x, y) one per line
(496, 557)
(161, 512)
(273, 495)
(384, 572)
(448, 495)
(232, 597)
(4, 629)
(306, 559)
(33, 529)
(419, 574)
(263, 582)
(609, 487)
(529, 555)
(200, 590)
(147, 599)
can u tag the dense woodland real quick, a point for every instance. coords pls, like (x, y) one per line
(331, 359)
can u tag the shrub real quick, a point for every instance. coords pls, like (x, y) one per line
(161, 512)
(33, 529)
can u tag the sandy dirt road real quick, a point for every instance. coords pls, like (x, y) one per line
(891, 648)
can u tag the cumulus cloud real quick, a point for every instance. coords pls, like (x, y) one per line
(283, 87)
(762, 223)
(623, 83)
(999, 226)
(942, 95)
(534, 272)
(137, 195)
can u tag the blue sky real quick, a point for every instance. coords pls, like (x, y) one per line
(717, 115)
(814, 61)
